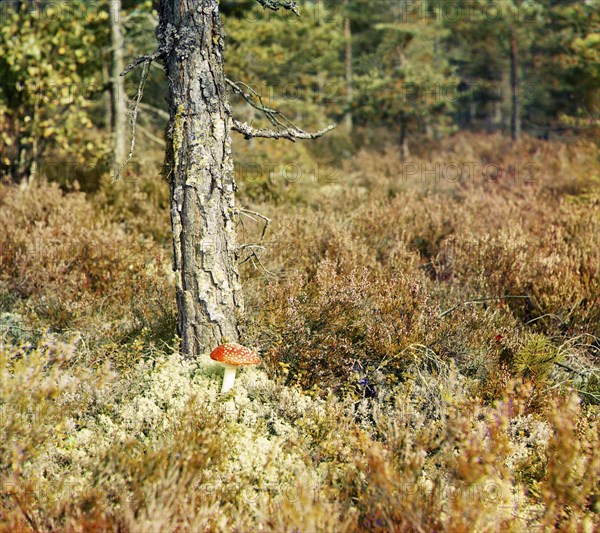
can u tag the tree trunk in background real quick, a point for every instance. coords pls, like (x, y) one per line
(107, 98)
(404, 150)
(199, 167)
(348, 60)
(515, 111)
(494, 116)
(118, 103)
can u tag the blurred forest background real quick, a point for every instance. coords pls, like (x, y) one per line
(394, 73)
(425, 301)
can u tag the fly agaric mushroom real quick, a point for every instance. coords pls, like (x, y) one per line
(232, 355)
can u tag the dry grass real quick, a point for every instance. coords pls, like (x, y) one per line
(430, 354)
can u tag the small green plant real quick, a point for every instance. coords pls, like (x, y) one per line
(536, 356)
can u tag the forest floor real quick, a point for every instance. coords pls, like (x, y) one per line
(429, 332)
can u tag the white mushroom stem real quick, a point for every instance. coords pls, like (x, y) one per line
(228, 378)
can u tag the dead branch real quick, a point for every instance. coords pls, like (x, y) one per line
(275, 5)
(255, 100)
(255, 259)
(146, 61)
(483, 300)
(151, 136)
(253, 247)
(291, 134)
(284, 128)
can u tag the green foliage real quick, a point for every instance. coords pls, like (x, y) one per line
(567, 64)
(557, 69)
(423, 69)
(407, 78)
(45, 103)
(292, 62)
(536, 356)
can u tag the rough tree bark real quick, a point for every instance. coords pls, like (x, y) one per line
(117, 92)
(199, 168)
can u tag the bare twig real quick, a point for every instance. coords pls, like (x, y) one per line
(257, 263)
(267, 220)
(134, 113)
(159, 112)
(595, 397)
(255, 100)
(550, 315)
(151, 136)
(275, 5)
(284, 128)
(570, 369)
(139, 15)
(145, 59)
(252, 247)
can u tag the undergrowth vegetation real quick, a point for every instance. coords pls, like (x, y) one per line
(430, 346)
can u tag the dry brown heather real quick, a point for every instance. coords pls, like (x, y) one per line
(430, 352)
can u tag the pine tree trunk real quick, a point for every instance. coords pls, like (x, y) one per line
(119, 106)
(199, 168)
(515, 113)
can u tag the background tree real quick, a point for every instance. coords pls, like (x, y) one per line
(348, 63)
(565, 70)
(399, 74)
(406, 81)
(296, 66)
(294, 63)
(491, 45)
(118, 96)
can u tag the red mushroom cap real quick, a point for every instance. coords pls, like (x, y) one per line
(234, 354)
